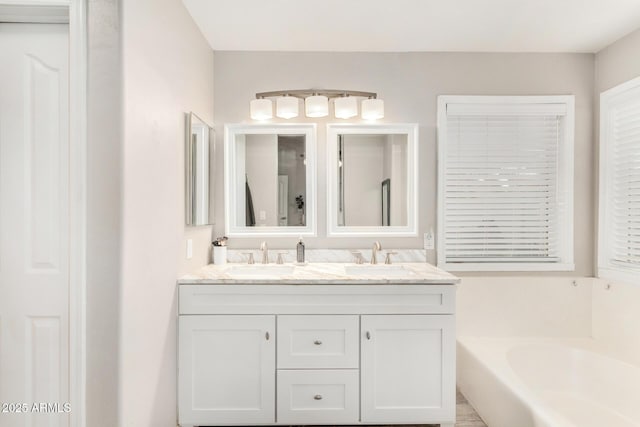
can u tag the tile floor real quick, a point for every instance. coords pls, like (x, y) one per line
(466, 416)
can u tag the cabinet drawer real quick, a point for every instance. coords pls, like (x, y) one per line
(317, 299)
(318, 397)
(318, 342)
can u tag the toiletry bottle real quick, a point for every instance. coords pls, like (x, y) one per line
(300, 251)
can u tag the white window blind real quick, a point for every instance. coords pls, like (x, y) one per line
(619, 251)
(505, 184)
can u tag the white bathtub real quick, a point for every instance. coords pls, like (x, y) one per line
(538, 382)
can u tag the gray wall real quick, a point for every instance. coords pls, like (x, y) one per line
(615, 64)
(167, 71)
(104, 206)
(618, 63)
(409, 84)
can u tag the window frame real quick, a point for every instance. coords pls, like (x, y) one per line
(605, 268)
(565, 182)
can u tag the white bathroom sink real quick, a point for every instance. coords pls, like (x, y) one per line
(378, 270)
(259, 271)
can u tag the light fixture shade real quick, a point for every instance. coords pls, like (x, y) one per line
(372, 109)
(316, 106)
(287, 107)
(261, 109)
(346, 107)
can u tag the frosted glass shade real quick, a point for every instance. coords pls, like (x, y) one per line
(346, 107)
(372, 109)
(316, 106)
(287, 107)
(261, 109)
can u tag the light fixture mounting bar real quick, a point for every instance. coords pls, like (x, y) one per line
(304, 93)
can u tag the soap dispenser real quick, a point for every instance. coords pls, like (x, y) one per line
(300, 251)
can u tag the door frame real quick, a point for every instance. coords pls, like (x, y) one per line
(78, 39)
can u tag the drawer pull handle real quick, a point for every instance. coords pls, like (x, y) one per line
(318, 397)
(368, 335)
(267, 336)
(317, 342)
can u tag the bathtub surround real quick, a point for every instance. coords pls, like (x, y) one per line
(597, 318)
(525, 306)
(552, 307)
(615, 316)
(548, 382)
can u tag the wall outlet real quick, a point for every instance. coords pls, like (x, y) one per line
(189, 248)
(429, 240)
(262, 215)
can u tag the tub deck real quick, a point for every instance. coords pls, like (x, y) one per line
(547, 382)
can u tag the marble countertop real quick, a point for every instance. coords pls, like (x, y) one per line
(321, 273)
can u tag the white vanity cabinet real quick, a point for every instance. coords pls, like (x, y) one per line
(226, 370)
(405, 368)
(316, 354)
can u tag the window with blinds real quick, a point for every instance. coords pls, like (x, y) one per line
(505, 183)
(619, 228)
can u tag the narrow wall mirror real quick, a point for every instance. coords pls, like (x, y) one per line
(200, 158)
(270, 180)
(372, 179)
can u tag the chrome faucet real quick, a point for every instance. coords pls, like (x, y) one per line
(250, 259)
(357, 257)
(374, 252)
(265, 253)
(387, 259)
(281, 255)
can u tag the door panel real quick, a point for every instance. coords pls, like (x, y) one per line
(34, 229)
(407, 368)
(227, 369)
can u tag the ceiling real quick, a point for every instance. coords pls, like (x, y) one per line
(415, 25)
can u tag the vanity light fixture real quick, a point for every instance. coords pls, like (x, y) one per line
(346, 107)
(316, 103)
(316, 106)
(287, 107)
(372, 109)
(261, 109)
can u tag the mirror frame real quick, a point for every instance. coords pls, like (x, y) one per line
(335, 230)
(231, 195)
(189, 196)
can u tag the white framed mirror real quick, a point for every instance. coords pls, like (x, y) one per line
(372, 180)
(200, 160)
(270, 179)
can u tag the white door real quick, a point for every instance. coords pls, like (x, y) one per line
(408, 369)
(227, 370)
(34, 228)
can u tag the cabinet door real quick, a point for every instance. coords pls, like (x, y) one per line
(226, 370)
(408, 369)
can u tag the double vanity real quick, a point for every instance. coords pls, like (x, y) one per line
(317, 344)
(320, 343)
